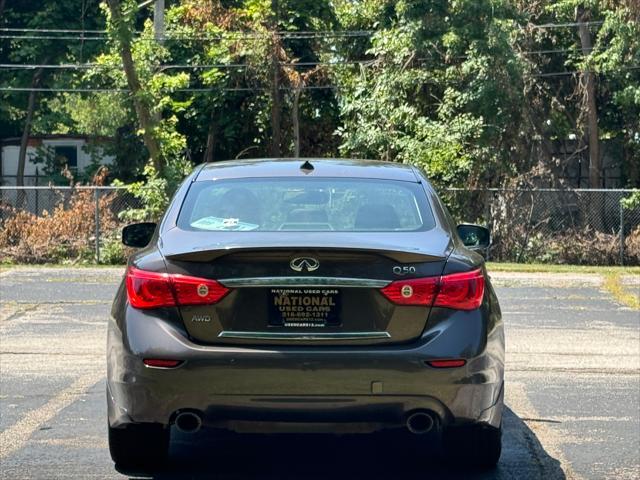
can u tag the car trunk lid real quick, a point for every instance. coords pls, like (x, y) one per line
(305, 289)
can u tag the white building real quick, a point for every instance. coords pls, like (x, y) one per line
(71, 150)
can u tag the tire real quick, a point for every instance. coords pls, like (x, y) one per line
(139, 446)
(476, 446)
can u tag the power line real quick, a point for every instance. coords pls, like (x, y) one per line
(563, 25)
(188, 90)
(83, 66)
(49, 37)
(229, 32)
(298, 35)
(100, 35)
(556, 50)
(280, 32)
(576, 72)
(242, 89)
(49, 30)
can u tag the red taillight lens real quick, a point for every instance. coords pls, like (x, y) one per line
(149, 289)
(154, 290)
(460, 291)
(197, 291)
(415, 291)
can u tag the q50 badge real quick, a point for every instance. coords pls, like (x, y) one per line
(402, 271)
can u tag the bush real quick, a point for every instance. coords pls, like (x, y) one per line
(64, 235)
(586, 248)
(112, 251)
(632, 248)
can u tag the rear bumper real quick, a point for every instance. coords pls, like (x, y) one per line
(350, 389)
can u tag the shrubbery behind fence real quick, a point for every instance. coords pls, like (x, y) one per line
(56, 224)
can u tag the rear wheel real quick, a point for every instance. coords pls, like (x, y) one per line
(144, 446)
(476, 446)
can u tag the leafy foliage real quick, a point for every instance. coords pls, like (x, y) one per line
(473, 92)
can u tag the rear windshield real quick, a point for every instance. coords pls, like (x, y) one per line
(306, 204)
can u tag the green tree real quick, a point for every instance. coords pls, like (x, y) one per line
(442, 90)
(20, 112)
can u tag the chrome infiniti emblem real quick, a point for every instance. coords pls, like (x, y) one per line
(304, 264)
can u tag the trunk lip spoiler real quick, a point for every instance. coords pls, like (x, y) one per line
(405, 247)
(402, 254)
(306, 281)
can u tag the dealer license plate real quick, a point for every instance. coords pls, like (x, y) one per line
(304, 307)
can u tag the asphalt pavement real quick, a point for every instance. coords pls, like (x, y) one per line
(573, 392)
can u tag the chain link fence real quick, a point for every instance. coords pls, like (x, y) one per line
(41, 224)
(55, 224)
(579, 226)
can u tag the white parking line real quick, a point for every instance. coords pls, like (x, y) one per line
(16, 436)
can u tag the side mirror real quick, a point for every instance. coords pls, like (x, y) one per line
(138, 235)
(474, 237)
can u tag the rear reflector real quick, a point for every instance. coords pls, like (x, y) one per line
(446, 363)
(161, 363)
(154, 290)
(460, 291)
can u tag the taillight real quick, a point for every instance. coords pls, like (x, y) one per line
(197, 291)
(154, 290)
(149, 289)
(460, 291)
(415, 291)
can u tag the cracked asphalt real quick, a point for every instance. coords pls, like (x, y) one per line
(573, 391)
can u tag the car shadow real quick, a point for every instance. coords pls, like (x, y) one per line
(385, 455)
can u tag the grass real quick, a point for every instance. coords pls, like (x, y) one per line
(613, 285)
(551, 268)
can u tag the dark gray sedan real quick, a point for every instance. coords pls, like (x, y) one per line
(306, 295)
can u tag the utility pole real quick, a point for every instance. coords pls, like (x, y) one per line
(158, 20)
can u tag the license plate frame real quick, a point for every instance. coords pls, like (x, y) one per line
(304, 307)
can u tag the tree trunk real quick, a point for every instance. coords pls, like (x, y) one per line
(295, 114)
(595, 168)
(211, 140)
(275, 102)
(275, 87)
(596, 205)
(143, 111)
(24, 140)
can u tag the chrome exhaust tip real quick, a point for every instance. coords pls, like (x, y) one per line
(420, 422)
(188, 422)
